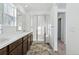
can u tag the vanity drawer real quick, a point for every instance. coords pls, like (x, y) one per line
(15, 44)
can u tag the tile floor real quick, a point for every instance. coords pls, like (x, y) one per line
(45, 49)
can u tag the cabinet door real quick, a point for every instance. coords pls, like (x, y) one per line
(17, 50)
(25, 47)
(3, 51)
(28, 43)
(14, 52)
(14, 45)
(31, 39)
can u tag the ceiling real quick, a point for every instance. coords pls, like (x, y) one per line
(61, 5)
(36, 6)
(39, 6)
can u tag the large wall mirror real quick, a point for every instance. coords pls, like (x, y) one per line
(19, 20)
(11, 18)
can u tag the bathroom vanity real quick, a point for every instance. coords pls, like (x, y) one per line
(17, 46)
(13, 40)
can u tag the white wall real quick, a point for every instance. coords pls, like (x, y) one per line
(47, 19)
(72, 29)
(54, 27)
(38, 12)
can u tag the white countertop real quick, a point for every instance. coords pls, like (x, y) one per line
(6, 39)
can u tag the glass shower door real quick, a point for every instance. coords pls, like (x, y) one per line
(40, 28)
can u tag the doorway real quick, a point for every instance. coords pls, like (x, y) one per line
(59, 28)
(61, 33)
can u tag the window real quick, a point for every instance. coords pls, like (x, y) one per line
(9, 15)
(1, 10)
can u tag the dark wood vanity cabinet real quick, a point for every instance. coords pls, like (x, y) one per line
(3, 51)
(31, 39)
(19, 47)
(28, 43)
(15, 44)
(25, 45)
(16, 47)
(17, 50)
(14, 52)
